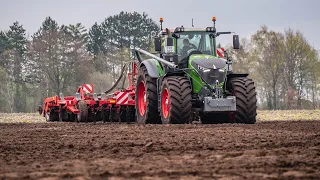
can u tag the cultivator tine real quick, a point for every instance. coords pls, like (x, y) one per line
(95, 97)
(61, 96)
(78, 97)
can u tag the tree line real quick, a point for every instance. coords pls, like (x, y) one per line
(58, 58)
(284, 66)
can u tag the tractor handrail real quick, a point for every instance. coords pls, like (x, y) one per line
(172, 65)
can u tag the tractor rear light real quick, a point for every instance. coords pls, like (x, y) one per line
(214, 18)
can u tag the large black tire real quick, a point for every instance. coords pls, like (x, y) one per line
(82, 116)
(176, 100)
(244, 90)
(148, 113)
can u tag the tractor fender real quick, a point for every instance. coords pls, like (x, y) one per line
(234, 75)
(153, 67)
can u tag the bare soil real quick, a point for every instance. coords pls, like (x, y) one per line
(265, 150)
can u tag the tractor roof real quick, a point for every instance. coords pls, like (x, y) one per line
(187, 29)
(195, 29)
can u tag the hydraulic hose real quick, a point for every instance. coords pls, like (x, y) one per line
(118, 81)
(120, 77)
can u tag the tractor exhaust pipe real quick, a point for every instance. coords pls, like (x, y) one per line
(172, 65)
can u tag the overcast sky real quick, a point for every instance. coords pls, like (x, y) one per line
(242, 16)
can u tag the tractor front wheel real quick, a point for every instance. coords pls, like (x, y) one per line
(244, 90)
(146, 98)
(176, 100)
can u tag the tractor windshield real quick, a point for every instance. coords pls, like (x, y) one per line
(194, 40)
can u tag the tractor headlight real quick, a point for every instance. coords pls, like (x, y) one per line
(203, 69)
(211, 76)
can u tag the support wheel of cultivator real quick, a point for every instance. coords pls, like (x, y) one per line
(146, 98)
(176, 100)
(105, 114)
(130, 114)
(52, 116)
(63, 115)
(123, 114)
(244, 90)
(127, 114)
(82, 116)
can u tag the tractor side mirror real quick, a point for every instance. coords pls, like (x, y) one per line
(157, 44)
(236, 42)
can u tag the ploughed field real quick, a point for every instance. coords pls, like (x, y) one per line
(266, 150)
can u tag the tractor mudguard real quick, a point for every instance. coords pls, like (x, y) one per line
(153, 67)
(233, 75)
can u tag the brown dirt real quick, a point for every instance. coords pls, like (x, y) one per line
(266, 150)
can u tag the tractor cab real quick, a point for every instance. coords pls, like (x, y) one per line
(181, 45)
(195, 42)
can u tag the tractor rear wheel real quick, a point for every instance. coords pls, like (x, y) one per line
(244, 90)
(82, 116)
(176, 100)
(146, 98)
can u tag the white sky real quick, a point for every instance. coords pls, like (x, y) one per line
(242, 16)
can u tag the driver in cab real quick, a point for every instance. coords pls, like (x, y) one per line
(187, 45)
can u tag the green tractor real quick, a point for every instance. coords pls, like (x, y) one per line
(188, 82)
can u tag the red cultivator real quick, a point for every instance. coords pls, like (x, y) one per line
(54, 107)
(87, 106)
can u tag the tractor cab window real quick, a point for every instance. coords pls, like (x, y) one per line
(194, 41)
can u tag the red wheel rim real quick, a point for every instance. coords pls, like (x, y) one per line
(142, 102)
(165, 103)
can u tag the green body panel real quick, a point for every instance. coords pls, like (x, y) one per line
(160, 70)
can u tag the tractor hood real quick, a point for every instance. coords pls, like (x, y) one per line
(203, 61)
(210, 68)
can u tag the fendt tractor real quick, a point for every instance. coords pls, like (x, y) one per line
(188, 82)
